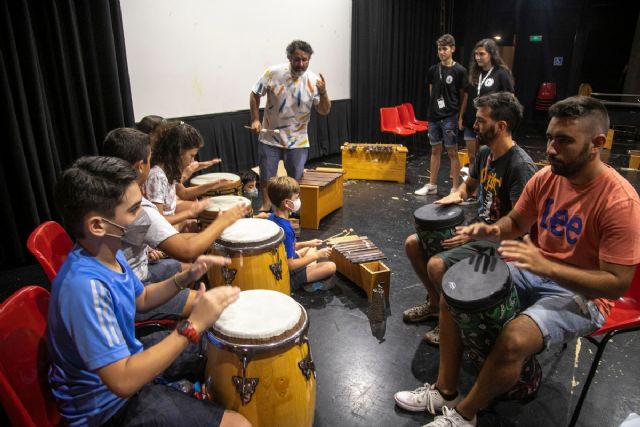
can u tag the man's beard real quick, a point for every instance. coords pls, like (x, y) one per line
(486, 137)
(571, 169)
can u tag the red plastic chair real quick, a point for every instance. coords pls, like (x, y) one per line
(50, 244)
(405, 119)
(390, 122)
(24, 360)
(624, 317)
(546, 96)
(412, 115)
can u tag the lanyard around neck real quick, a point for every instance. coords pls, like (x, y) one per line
(482, 80)
(440, 68)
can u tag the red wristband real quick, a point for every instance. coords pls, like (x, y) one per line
(186, 329)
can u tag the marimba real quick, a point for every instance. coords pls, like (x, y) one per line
(321, 194)
(360, 260)
(379, 162)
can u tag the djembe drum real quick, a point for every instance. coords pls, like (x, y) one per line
(220, 204)
(234, 187)
(482, 298)
(258, 257)
(259, 360)
(435, 223)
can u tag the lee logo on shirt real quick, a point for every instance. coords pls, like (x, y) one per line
(560, 224)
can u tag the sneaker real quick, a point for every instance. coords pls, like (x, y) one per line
(451, 418)
(425, 398)
(420, 313)
(433, 336)
(427, 189)
(317, 286)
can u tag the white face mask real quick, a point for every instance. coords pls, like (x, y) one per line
(297, 203)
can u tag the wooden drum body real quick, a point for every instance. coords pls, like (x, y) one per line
(231, 188)
(271, 381)
(258, 257)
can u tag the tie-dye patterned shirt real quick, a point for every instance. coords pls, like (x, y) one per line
(289, 104)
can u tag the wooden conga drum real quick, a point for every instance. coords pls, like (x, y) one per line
(482, 298)
(234, 187)
(435, 223)
(259, 360)
(220, 204)
(258, 257)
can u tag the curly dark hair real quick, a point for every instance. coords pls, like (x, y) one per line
(504, 106)
(174, 139)
(496, 60)
(92, 184)
(299, 44)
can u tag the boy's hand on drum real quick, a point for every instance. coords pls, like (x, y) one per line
(232, 214)
(208, 305)
(480, 231)
(451, 199)
(203, 263)
(455, 241)
(199, 205)
(526, 255)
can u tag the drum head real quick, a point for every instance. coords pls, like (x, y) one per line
(259, 314)
(434, 216)
(211, 177)
(249, 230)
(476, 283)
(223, 203)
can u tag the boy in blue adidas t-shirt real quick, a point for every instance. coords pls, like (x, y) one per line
(100, 374)
(302, 257)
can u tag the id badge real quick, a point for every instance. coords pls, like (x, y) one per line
(441, 103)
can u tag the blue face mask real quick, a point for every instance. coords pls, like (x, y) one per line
(251, 194)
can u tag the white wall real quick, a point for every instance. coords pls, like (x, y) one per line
(192, 57)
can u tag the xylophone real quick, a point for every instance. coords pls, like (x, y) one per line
(381, 162)
(360, 260)
(321, 194)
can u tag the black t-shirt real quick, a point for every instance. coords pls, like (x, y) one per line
(501, 181)
(498, 81)
(446, 83)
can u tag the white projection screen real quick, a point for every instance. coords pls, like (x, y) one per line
(195, 57)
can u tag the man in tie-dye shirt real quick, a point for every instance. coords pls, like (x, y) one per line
(291, 91)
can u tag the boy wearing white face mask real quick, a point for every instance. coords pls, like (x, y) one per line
(302, 257)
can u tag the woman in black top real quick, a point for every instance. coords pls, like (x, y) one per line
(487, 74)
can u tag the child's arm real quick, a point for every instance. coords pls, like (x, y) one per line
(193, 212)
(308, 244)
(296, 263)
(126, 376)
(191, 193)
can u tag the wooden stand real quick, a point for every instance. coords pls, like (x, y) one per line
(377, 162)
(463, 157)
(634, 159)
(321, 193)
(366, 274)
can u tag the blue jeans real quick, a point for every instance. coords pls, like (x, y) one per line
(445, 130)
(294, 160)
(560, 314)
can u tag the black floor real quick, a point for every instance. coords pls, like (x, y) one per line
(358, 374)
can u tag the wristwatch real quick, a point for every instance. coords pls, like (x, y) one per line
(186, 329)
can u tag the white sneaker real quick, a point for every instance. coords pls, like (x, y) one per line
(451, 418)
(425, 398)
(427, 189)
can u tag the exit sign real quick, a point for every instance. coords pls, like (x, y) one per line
(535, 38)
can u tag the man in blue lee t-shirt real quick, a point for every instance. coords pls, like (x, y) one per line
(100, 375)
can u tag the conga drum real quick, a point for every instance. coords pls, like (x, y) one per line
(258, 257)
(482, 298)
(234, 187)
(220, 204)
(435, 223)
(259, 360)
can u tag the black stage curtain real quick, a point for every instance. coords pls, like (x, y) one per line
(392, 47)
(63, 85)
(226, 138)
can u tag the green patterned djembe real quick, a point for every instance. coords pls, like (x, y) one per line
(435, 223)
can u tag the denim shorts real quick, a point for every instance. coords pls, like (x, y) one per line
(560, 314)
(445, 130)
(293, 158)
(469, 134)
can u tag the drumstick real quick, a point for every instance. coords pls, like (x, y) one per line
(265, 130)
(343, 233)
